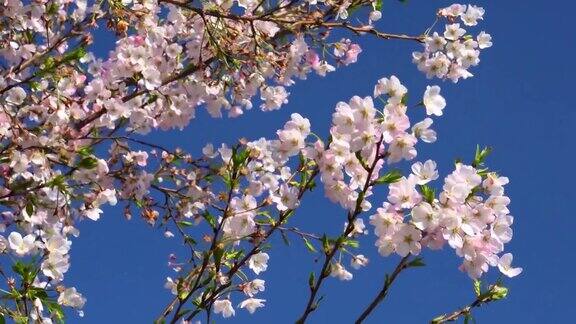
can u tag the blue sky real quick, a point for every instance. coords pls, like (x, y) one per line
(520, 102)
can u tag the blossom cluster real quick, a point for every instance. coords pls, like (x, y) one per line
(216, 75)
(451, 54)
(361, 134)
(364, 141)
(470, 214)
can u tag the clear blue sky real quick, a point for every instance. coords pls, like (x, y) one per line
(520, 102)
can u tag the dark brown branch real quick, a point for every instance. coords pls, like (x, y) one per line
(388, 281)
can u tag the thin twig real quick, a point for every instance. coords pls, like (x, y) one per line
(495, 292)
(384, 291)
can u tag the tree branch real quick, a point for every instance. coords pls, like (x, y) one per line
(388, 281)
(496, 292)
(324, 272)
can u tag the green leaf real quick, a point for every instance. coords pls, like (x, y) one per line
(34, 292)
(52, 8)
(309, 245)
(239, 157)
(498, 292)
(301, 159)
(87, 163)
(303, 180)
(30, 208)
(57, 181)
(34, 86)
(234, 254)
(483, 172)
(378, 5)
(325, 244)
(55, 310)
(74, 55)
(417, 262)
(189, 240)
(139, 203)
(352, 9)
(328, 270)
(210, 219)
(26, 271)
(428, 193)
(85, 151)
(185, 223)
(351, 243)
(182, 294)
(390, 177)
(21, 184)
(311, 280)
(47, 66)
(19, 319)
(480, 155)
(190, 68)
(152, 98)
(206, 281)
(404, 100)
(477, 287)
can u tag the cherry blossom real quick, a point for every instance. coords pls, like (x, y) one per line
(70, 297)
(425, 172)
(340, 272)
(259, 262)
(359, 261)
(224, 306)
(253, 287)
(251, 304)
(433, 101)
(21, 245)
(505, 266)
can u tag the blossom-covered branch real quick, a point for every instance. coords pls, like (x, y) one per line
(73, 127)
